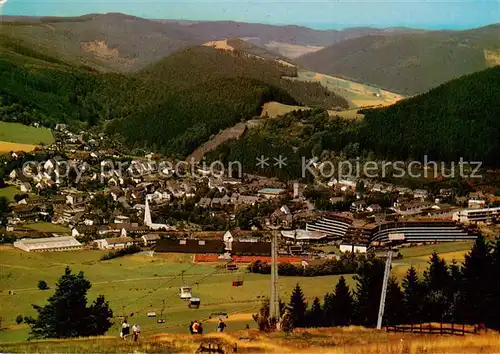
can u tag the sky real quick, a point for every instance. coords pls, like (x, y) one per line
(320, 14)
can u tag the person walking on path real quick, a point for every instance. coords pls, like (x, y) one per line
(221, 325)
(125, 330)
(136, 331)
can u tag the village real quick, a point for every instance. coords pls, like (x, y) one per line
(142, 204)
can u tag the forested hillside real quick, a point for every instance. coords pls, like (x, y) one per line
(193, 94)
(409, 63)
(172, 106)
(39, 88)
(458, 119)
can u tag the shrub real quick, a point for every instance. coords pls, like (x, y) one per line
(42, 285)
(19, 319)
(120, 253)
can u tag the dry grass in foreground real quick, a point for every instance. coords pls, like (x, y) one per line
(326, 340)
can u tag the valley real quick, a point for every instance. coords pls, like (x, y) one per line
(301, 186)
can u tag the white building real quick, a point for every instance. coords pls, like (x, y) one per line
(114, 243)
(486, 215)
(49, 244)
(150, 239)
(353, 248)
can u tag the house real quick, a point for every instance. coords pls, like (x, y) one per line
(121, 219)
(115, 243)
(373, 208)
(79, 198)
(150, 239)
(358, 206)
(420, 194)
(205, 203)
(270, 193)
(353, 248)
(49, 244)
(476, 203)
(248, 200)
(281, 216)
(25, 187)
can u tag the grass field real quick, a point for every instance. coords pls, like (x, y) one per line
(353, 340)
(358, 95)
(23, 134)
(9, 192)
(45, 227)
(137, 284)
(275, 109)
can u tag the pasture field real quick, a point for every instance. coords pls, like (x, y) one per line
(9, 192)
(275, 109)
(343, 340)
(358, 95)
(45, 227)
(138, 284)
(23, 134)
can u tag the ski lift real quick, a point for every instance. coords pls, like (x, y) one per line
(185, 292)
(238, 281)
(161, 319)
(231, 267)
(194, 303)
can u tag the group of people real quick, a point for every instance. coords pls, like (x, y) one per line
(125, 331)
(195, 327)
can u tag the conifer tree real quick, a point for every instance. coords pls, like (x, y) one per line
(412, 296)
(66, 315)
(298, 307)
(342, 304)
(476, 293)
(435, 285)
(369, 279)
(394, 306)
(315, 314)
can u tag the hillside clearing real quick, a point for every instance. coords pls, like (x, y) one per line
(23, 134)
(275, 109)
(358, 95)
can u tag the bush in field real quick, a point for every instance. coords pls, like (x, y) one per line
(120, 253)
(42, 285)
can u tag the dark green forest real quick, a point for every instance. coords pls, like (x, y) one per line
(457, 119)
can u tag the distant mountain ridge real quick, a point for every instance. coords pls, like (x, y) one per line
(409, 63)
(133, 42)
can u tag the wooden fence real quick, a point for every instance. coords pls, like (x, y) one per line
(437, 328)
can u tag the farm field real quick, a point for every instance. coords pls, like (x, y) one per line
(6, 147)
(23, 134)
(358, 95)
(8, 192)
(139, 283)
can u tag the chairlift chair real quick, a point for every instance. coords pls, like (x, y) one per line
(185, 292)
(238, 281)
(231, 267)
(194, 303)
(161, 319)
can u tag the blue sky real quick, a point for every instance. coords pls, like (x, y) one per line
(323, 14)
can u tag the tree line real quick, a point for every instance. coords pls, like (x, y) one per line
(464, 293)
